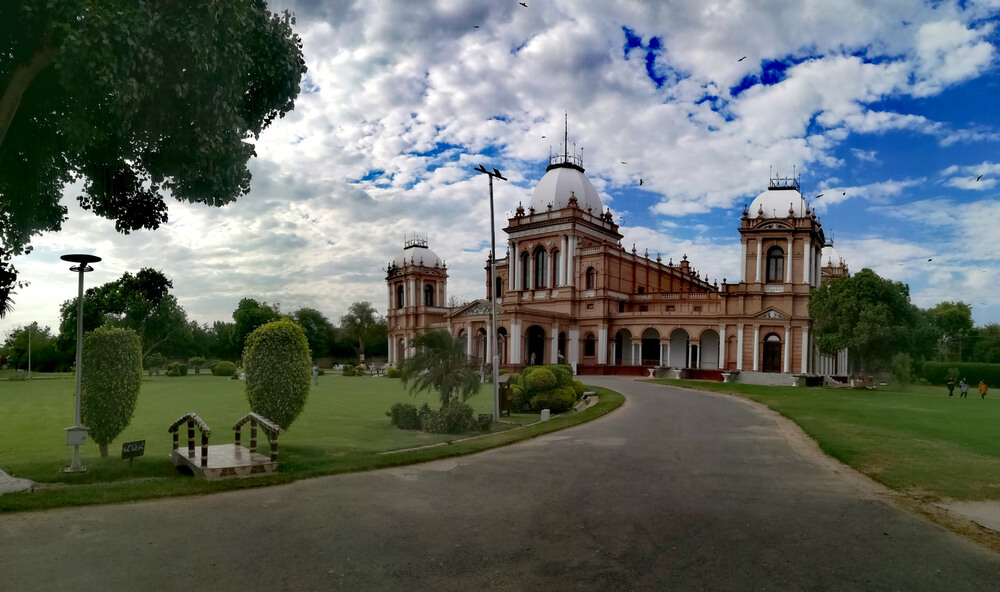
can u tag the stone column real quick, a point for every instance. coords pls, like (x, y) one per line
(406, 348)
(722, 347)
(611, 360)
(806, 261)
(805, 350)
(756, 348)
(515, 342)
(571, 262)
(760, 263)
(788, 350)
(668, 352)
(512, 265)
(554, 345)
(602, 345)
(573, 347)
(410, 295)
(564, 261)
(739, 347)
(788, 262)
(661, 353)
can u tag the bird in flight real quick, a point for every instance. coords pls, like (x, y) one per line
(845, 193)
(978, 178)
(930, 259)
(818, 196)
(640, 182)
(741, 59)
(623, 162)
(475, 26)
(523, 4)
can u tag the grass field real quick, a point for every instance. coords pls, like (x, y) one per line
(342, 428)
(917, 441)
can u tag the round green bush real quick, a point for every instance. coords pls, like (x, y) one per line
(455, 417)
(197, 362)
(404, 416)
(564, 376)
(109, 385)
(278, 370)
(578, 389)
(393, 373)
(555, 400)
(223, 368)
(541, 379)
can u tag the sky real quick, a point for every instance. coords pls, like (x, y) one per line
(887, 109)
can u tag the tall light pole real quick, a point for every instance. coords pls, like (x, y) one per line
(493, 293)
(77, 435)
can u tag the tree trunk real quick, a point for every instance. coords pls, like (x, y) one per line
(21, 78)
(104, 450)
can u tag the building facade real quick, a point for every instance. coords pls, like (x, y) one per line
(569, 292)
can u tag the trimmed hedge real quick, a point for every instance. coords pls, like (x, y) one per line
(278, 369)
(937, 372)
(177, 369)
(109, 386)
(223, 368)
(545, 387)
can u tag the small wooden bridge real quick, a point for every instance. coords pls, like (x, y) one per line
(225, 461)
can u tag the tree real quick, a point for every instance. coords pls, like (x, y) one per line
(954, 321)
(45, 357)
(153, 362)
(109, 385)
(320, 332)
(197, 362)
(361, 325)
(865, 313)
(987, 344)
(225, 347)
(249, 315)
(278, 368)
(137, 99)
(440, 364)
(140, 302)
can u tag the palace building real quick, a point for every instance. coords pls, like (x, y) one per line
(568, 292)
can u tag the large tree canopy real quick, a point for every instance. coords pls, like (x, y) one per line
(867, 314)
(140, 302)
(249, 315)
(137, 99)
(362, 324)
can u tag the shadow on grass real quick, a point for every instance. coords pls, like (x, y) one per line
(112, 480)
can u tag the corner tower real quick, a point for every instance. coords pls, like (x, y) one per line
(417, 281)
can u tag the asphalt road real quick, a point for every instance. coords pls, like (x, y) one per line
(676, 490)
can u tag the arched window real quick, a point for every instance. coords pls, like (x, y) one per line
(555, 267)
(589, 346)
(591, 278)
(524, 271)
(775, 265)
(541, 267)
(428, 295)
(498, 287)
(400, 296)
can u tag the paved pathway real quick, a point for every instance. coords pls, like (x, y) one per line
(676, 490)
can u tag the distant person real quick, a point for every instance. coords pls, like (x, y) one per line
(963, 388)
(982, 389)
(951, 386)
(315, 375)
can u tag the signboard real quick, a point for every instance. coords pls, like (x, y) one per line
(133, 449)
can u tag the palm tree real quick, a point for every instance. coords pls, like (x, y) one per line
(441, 365)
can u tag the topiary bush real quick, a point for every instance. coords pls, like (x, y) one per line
(177, 369)
(404, 416)
(197, 362)
(540, 379)
(278, 370)
(454, 417)
(546, 387)
(109, 385)
(223, 368)
(353, 370)
(393, 373)
(555, 400)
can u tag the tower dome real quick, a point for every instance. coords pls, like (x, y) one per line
(830, 258)
(561, 182)
(782, 199)
(415, 252)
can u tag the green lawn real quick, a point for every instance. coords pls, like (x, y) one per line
(342, 428)
(917, 441)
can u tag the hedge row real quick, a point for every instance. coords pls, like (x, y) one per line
(937, 372)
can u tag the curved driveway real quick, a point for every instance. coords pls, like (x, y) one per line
(676, 490)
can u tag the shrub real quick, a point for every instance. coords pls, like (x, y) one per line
(541, 379)
(153, 362)
(197, 362)
(555, 400)
(353, 370)
(109, 386)
(404, 416)
(278, 370)
(902, 365)
(936, 372)
(393, 373)
(579, 389)
(223, 368)
(177, 369)
(485, 422)
(455, 417)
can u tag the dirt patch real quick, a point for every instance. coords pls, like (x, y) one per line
(958, 517)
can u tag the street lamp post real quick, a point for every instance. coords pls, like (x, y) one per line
(492, 288)
(76, 436)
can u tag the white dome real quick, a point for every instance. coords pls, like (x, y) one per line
(830, 257)
(556, 186)
(419, 255)
(775, 203)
